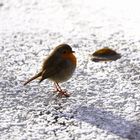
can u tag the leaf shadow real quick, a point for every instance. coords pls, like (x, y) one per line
(110, 122)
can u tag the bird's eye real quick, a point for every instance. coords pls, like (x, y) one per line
(64, 52)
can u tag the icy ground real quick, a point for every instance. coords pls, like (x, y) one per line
(105, 97)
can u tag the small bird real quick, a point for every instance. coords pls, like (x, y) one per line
(58, 67)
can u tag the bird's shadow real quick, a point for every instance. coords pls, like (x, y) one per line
(109, 122)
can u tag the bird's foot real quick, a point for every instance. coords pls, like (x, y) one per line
(62, 93)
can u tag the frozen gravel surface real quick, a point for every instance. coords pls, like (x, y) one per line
(105, 97)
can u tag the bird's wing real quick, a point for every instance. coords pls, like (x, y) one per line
(53, 69)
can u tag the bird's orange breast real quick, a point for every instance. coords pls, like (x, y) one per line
(71, 57)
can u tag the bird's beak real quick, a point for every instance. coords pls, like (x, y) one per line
(73, 51)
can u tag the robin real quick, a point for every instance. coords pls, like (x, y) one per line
(58, 67)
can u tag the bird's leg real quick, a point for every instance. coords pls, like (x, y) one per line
(58, 89)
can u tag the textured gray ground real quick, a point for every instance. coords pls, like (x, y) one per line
(105, 97)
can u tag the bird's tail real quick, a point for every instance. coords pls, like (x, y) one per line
(34, 77)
